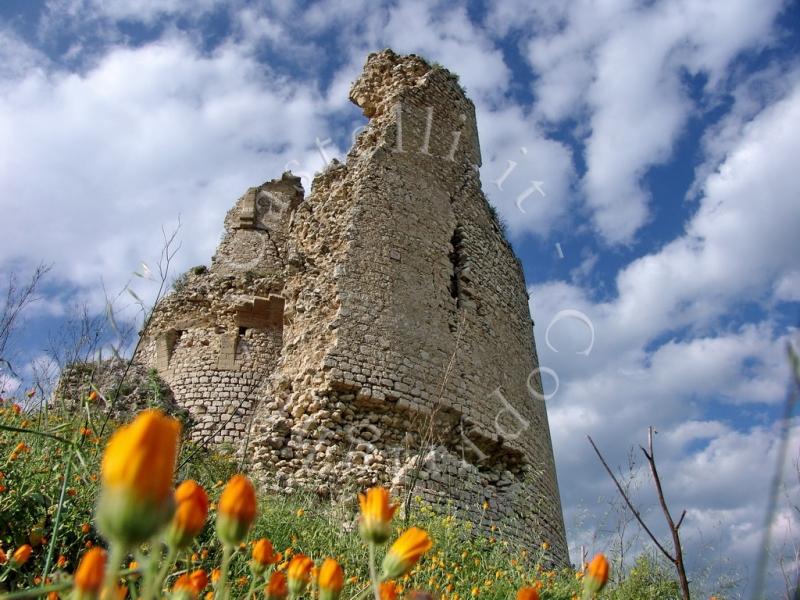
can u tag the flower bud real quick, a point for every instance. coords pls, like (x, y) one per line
(596, 575)
(89, 574)
(21, 555)
(388, 590)
(236, 510)
(299, 574)
(330, 580)
(263, 556)
(528, 593)
(405, 552)
(276, 588)
(375, 524)
(137, 470)
(191, 511)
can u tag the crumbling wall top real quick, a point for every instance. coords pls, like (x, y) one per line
(384, 76)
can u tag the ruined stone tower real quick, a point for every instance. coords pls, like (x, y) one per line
(377, 329)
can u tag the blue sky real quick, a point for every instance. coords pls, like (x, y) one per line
(665, 135)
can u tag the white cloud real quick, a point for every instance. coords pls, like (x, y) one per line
(620, 66)
(661, 357)
(516, 154)
(101, 160)
(787, 288)
(8, 385)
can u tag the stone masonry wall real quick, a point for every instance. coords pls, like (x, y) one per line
(377, 330)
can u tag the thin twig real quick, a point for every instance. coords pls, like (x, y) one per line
(673, 529)
(630, 505)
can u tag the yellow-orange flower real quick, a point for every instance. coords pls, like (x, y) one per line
(137, 470)
(596, 575)
(299, 574)
(191, 511)
(199, 580)
(388, 590)
(375, 524)
(184, 587)
(527, 593)
(263, 555)
(3, 557)
(236, 510)
(89, 574)
(191, 584)
(405, 552)
(330, 580)
(277, 588)
(21, 555)
(19, 449)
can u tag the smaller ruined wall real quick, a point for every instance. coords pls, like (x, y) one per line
(256, 229)
(217, 338)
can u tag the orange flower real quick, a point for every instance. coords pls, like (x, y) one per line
(191, 584)
(191, 511)
(276, 588)
(236, 510)
(596, 574)
(137, 470)
(299, 574)
(215, 575)
(184, 587)
(19, 449)
(199, 580)
(330, 580)
(527, 593)
(85, 528)
(3, 557)
(61, 562)
(388, 590)
(21, 555)
(89, 574)
(375, 523)
(405, 552)
(263, 555)
(93, 395)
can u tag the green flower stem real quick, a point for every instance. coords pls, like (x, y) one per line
(150, 571)
(57, 520)
(169, 562)
(38, 591)
(115, 555)
(254, 577)
(376, 589)
(362, 593)
(6, 571)
(222, 584)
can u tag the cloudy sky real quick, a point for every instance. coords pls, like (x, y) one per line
(665, 135)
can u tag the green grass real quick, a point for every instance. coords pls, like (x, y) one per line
(49, 489)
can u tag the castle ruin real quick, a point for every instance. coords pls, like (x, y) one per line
(377, 329)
